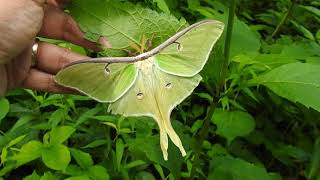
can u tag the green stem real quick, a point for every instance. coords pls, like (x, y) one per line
(284, 19)
(232, 12)
(227, 46)
(203, 133)
(200, 138)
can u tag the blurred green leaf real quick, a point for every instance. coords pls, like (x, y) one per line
(233, 124)
(98, 173)
(144, 176)
(60, 134)
(56, 157)
(229, 168)
(4, 108)
(28, 152)
(83, 159)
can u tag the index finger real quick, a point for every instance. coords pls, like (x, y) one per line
(56, 3)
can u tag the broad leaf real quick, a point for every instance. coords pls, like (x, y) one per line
(60, 134)
(122, 23)
(98, 173)
(28, 152)
(233, 124)
(298, 82)
(236, 169)
(83, 159)
(56, 157)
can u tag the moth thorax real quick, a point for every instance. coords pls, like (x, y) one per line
(145, 65)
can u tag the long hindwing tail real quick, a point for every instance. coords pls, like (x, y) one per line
(155, 95)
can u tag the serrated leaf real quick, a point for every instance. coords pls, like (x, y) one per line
(233, 124)
(56, 157)
(298, 82)
(122, 23)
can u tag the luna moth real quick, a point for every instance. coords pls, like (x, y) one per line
(152, 83)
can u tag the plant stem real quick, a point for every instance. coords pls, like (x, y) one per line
(232, 12)
(201, 137)
(284, 19)
(203, 133)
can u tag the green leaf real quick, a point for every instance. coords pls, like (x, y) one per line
(237, 169)
(49, 176)
(96, 143)
(144, 176)
(162, 5)
(33, 176)
(84, 177)
(233, 124)
(83, 159)
(303, 30)
(60, 134)
(119, 152)
(315, 162)
(122, 23)
(28, 152)
(298, 82)
(13, 142)
(56, 117)
(311, 9)
(98, 173)
(4, 108)
(56, 157)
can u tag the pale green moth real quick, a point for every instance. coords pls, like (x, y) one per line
(152, 83)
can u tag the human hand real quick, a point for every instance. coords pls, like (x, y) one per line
(20, 22)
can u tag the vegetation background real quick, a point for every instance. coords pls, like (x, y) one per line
(254, 116)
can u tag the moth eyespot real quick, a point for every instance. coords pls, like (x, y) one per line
(107, 71)
(140, 96)
(169, 85)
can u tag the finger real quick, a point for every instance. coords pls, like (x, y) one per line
(58, 25)
(39, 2)
(57, 3)
(51, 58)
(42, 81)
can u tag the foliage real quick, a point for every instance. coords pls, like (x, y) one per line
(266, 118)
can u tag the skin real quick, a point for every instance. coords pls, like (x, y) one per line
(20, 22)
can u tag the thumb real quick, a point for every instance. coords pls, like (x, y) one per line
(21, 20)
